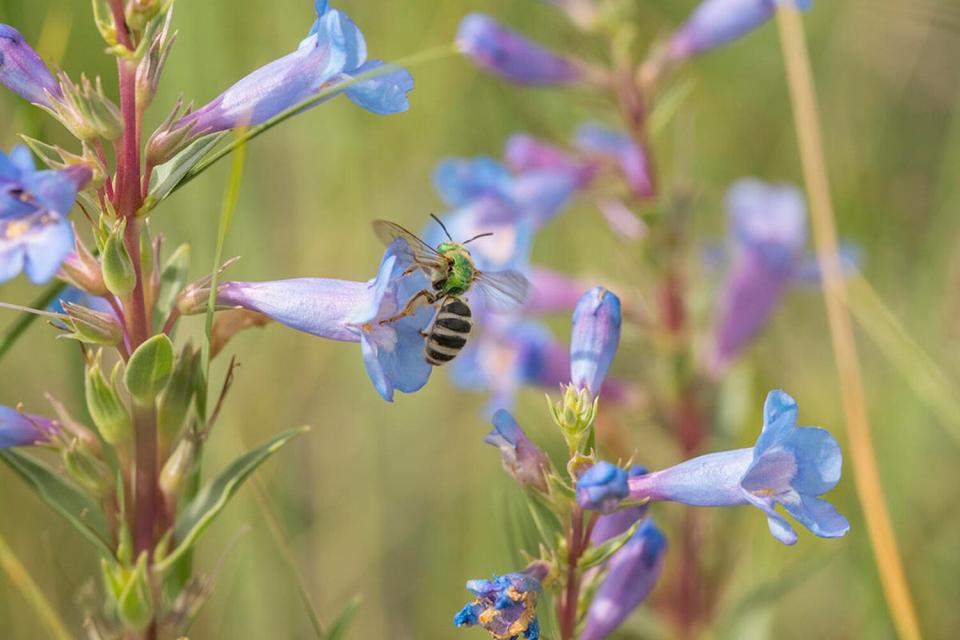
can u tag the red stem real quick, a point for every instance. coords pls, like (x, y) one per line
(567, 606)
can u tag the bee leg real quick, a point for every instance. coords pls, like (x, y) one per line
(423, 297)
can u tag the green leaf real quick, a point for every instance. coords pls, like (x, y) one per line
(172, 280)
(600, 553)
(168, 176)
(547, 523)
(149, 369)
(71, 503)
(338, 628)
(211, 500)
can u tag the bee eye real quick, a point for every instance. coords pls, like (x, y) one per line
(438, 285)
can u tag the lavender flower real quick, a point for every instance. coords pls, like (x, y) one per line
(596, 336)
(522, 459)
(789, 465)
(22, 71)
(632, 573)
(35, 235)
(630, 157)
(23, 429)
(506, 605)
(526, 153)
(768, 229)
(334, 51)
(507, 53)
(613, 524)
(717, 22)
(352, 312)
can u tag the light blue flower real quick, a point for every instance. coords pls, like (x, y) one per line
(350, 311)
(717, 22)
(613, 524)
(23, 429)
(596, 336)
(632, 159)
(22, 71)
(334, 51)
(507, 53)
(35, 235)
(602, 487)
(632, 573)
(789, 465)
(522, 459)
(506, 605)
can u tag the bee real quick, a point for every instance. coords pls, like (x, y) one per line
(452, 274)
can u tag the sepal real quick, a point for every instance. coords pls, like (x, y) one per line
(135, 604)
(92, 327)
(174, 401)
(118, 272)
(85, 110)
(108, 411)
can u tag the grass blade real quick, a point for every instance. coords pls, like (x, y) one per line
(31, 592)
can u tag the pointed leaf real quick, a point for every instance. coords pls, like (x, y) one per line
(172, 280)
(601, 553)
(338, 628)
(211, 500)
(71, 503)
(167, 176)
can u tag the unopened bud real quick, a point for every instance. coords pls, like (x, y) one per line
(118, 271)
(521, 458)
(92, 327)
(151, 66)
(174, 401)
(135, 604)
(82, 270)
(106, 408)
(85, 110)
(91, 473)
(171, 137)
(149, 369)
(575, 414)
(177, 468)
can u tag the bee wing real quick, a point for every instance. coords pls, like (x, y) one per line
(503, 290)
(418, 250)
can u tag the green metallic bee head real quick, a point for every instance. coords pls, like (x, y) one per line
(460, 270)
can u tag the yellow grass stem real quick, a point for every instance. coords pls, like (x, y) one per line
(31, 592)
(861, 451)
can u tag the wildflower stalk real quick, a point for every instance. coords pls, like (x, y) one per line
(866, 473)
(578, 539)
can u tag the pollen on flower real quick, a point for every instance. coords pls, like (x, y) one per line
(16, 229)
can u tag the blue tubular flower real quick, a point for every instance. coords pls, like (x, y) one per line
(506, 355)
(613, 524)
(352, 312)
(22, 71)
(596, 335)
(507, 53)
(333, 52)
(717, 22)
(506, 605)
(23, 429)
(522, 459)
(768, 229)
(602, 487)
(789, 465)
(35, 235)
(632, 573)
(634, 164)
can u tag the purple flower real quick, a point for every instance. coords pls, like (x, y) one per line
(632, 573)
(334, 51)
(596, 336)
(506, 354)
(613, 524)
(551, 292)
(789, 465)
(22, 71)
(630, 157)
(23, 429)
(522, 459)
(768, 229)
(526, 153)
(506, 605)
(507, 53)
(35, 235)
(717, 22)
(350, 311)
(602, 487)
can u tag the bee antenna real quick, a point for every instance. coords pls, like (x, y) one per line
(442, 226)
(477, 237)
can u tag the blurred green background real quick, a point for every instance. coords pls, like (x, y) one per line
(401, 503)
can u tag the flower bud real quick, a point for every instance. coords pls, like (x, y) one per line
(118, 272)
(521, 458)
(575, 414)
(507, 53)
(85, 110)
(91, 473)
(173, 136)
(596, 335)
(22, 71)
(82, 270)
(151, 66)
(177, 468)
(135, 604)
(106, 408)
(92, 327)
(173, 403)
(602, 487)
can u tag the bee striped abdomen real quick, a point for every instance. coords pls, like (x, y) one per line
(449, 332)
